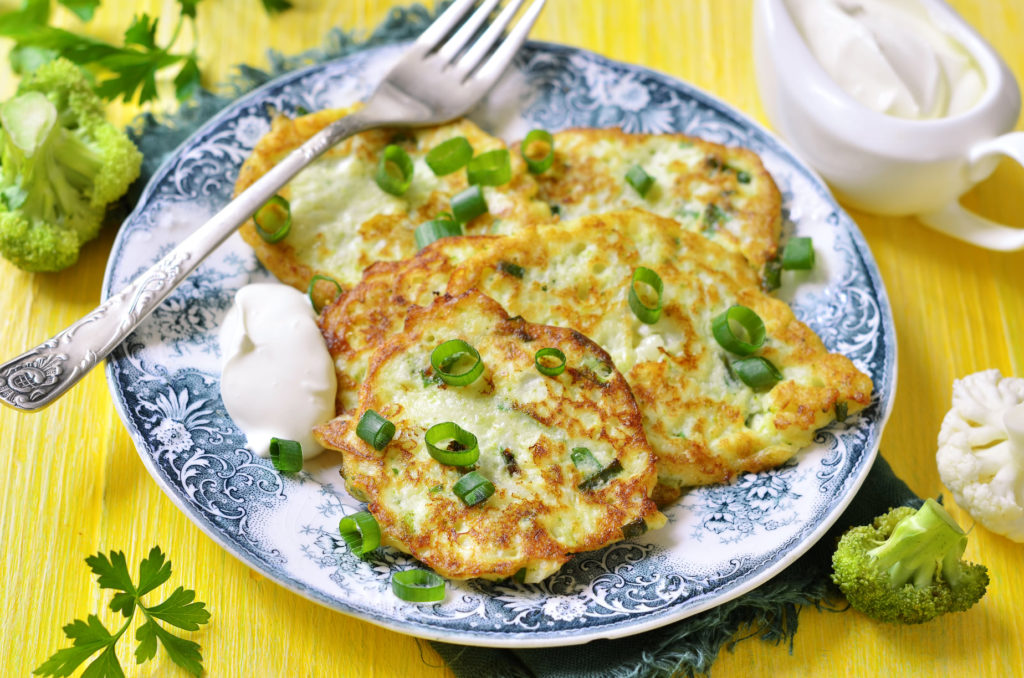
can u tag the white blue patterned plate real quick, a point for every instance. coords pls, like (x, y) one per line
(721, 541)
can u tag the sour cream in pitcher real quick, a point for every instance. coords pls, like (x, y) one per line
(891, 56)
(278, 378)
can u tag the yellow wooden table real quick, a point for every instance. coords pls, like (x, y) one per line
(72, 483)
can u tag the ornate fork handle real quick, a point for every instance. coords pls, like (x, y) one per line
(39, 376)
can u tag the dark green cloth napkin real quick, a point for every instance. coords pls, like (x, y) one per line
(687, 647)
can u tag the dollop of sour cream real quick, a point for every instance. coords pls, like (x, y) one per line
(277, 379)
(891, 56)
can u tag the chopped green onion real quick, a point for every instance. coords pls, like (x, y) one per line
(449, 156)
(463, 449)
(545, 367)
(634, 529)
(757, 372)
(640, 180)
(798, 254)
(772, 279)
(361, 532)
(418, 586)
(472, 488)
(743, 177)
(514, 270)
(842, 411)
(394, 171)
(492, 168)
(447, 354)
(469, 204)
(520, 575)
(747, 320)
(510, 462)
(312, 288)
(602, 476)
(286, 455)
(270, 225)
(600, 371)
(542, 138)
(646, 314)
(584, 460)
(429, 231)
(375, 430)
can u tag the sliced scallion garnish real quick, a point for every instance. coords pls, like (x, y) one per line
(429, 231)
(463, 449)
(547, 367)
(798, 254)
(312, 288)
(602, 476)
(514, 270)
(273, 221)
(449, 156)
(634, 529)
(646, 314)
(394, 170)
(360, 532)
(639, 179)
(756, 372)
(418, 586)
(375, 430)
(473, 488)
(520, 575)
(842, 411)
(286, 455)
(739, 317)
(772, 278)
(491, 168)
(536, 162)
(448, 354)
(584, 460)
(469, 204)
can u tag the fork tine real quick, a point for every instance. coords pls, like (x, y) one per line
(443, 25)
(495, 65)
(453, 45)
(475, 54)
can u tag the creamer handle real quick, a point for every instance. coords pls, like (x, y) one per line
(955, 220)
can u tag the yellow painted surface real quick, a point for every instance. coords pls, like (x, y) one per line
(73, 484)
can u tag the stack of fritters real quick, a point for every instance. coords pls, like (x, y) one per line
(707, 228)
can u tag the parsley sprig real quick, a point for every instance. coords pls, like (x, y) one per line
(180, 609)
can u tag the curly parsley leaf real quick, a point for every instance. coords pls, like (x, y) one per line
(88, 637)
(276, 6)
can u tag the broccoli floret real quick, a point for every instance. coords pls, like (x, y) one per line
(906, 567)
(61, 164)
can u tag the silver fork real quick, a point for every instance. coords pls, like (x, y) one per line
(440, 77)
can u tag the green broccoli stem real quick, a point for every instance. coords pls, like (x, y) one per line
(79, 161)
(922, 544)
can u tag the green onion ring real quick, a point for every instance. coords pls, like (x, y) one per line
(639, 179)
(746, 318)
(492, 168)
(268, 211)
(447, 353)
(418, 586)
(435, 229)
(798, 254)
(386, 179)
(360, 532)
(469, 204)
(538, 136)
(450, 430)
(646, 314)
(756, 372)
(286, 455)
(375, 430)
(634, 529)
(549, 370)
(449, 156)
(312, 288)
(473, 488)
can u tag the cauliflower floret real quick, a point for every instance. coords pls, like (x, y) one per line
(981, 450)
